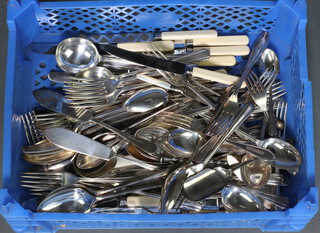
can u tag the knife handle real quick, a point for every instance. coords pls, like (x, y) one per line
(144, 201)
(214, 76)
(218, 61)
(222, 41)
(227, 50)
(189, 35)
(164, 46)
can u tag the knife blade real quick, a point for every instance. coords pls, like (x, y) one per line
(151, 61)
(70, 140)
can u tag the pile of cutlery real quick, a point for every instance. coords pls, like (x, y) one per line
(160, 128)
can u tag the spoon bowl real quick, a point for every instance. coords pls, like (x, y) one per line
(234, 199)
(269, 60)
(256, 174)
(287, 156)
(180, 142)
(75, 54)
(67, 200)
(146, 100)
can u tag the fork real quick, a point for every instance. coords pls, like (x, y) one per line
(222, 127)
(45, 153)
(181, 121)
(278, 90)
(280, 108)
(41, 182)
(34, 122)
(258, 87)
(87, 96)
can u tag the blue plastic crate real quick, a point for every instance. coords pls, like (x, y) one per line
(35, 27)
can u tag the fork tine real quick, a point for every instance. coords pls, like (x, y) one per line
(265, 76)
(250, 84)
(221, 128)
(40, 177)
(278, 89)
(174, 118)
(218, 124)
(42, 173)
(177, 116)
(27, 129)
(43, 182)
(156, 49)
(257, 82)
(39, 187)
(271, 80)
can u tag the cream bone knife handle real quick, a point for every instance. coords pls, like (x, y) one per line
(221, 41)
(215, 76)
(164, 46)
(218, 61)
(189, 35)
(236, 50)
(137, 201)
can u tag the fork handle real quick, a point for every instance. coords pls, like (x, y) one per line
(272, 128)
(238, 119)
(257, 151)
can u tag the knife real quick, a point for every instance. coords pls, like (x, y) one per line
(168, 65)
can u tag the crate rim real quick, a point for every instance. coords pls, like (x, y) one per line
(5, 198)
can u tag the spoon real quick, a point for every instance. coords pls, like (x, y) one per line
(269, 60)
(99, 73)
(146, 100)
(180, 142)
(78, 200)
(234, 199)
(151, 134)
(287, 156)
(256, 174)
(209, 181)
(75, 54)
(85, 166)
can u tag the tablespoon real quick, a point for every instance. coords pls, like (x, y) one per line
(287, 156)
(146, 100)
(256, 174)
(78, 200)
(180, 142)
(235, 199)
